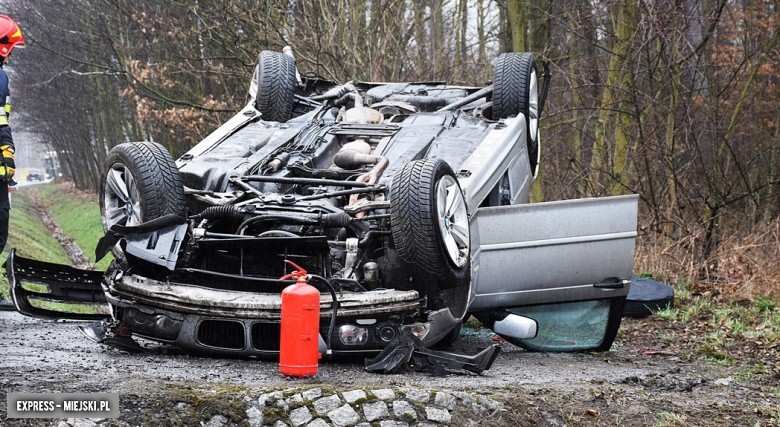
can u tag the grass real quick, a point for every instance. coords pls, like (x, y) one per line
(669, 419)
(78, 217)
(743, 265)
(765, 305)
(745, 333)
(29, 236)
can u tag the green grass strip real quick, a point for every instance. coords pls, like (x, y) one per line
(78, 217)
(29, 235)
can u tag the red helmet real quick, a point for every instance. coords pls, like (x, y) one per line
(10, 35)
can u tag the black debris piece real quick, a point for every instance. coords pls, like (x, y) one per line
(647, 296)
(408, 349)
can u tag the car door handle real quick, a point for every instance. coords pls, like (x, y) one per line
(612, 283)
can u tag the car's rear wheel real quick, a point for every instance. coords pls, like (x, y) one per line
(430, 226)
(275, 86)
(516, 91)
(140, 183)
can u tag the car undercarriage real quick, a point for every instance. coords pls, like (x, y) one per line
(376, 189)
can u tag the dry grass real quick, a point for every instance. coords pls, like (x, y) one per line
(744, 266)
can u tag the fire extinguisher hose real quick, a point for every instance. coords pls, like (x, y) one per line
(334, 309)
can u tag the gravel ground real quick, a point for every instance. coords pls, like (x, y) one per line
(625, 386)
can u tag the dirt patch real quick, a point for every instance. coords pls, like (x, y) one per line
(643, 380)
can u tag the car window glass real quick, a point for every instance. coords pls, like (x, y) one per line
(568, 326)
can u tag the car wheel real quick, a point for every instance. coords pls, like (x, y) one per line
(430, 225)
(516, 91)
(451, 338)
(140, 183)
(275, 86)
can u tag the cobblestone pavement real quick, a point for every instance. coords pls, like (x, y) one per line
(317, 407)
(358, 407)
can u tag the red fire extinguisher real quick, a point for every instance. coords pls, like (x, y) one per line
(299, 342)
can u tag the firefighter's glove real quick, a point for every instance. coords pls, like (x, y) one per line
(7, 164)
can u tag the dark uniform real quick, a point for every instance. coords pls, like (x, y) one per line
(10, 37)
(6, 140)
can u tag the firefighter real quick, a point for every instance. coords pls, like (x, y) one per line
(10, 37)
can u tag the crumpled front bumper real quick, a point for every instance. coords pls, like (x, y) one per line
(216, 321)
(239, 323)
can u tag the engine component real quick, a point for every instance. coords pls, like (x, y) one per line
(349, 264)
(363, 115)
(371, 272)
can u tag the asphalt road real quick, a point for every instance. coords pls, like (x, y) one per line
(53, 355)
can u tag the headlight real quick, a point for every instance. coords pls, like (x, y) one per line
(353, 335)
(386, 333)
(419, 330)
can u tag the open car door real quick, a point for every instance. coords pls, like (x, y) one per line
(565, 265)
(52, 291)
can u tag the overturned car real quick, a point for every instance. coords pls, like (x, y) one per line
(407, 203)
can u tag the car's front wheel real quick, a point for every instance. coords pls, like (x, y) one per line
(430, 225)
(140, 183)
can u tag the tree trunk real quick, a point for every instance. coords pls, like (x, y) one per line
(420, 38)
(517, 12)
(618, 82)
(482, 62)
(462, 21)
(770, 204)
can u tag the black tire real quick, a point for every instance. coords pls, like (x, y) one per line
(514, 83)
(451, 338)
(417, 225)
(275, 86)
(149, 173)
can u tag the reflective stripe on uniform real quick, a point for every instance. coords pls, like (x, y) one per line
(6, 111)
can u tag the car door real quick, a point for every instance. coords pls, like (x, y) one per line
(565, 265)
